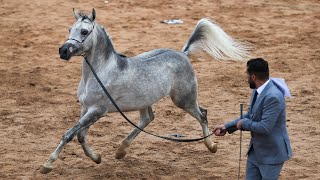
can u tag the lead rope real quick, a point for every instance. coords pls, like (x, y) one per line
(241, 111)
(125, 117)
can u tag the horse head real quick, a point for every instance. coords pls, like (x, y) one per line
(80, 38)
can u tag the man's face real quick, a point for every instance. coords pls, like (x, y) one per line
(251, 82)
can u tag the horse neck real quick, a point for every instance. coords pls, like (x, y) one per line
(101, 54)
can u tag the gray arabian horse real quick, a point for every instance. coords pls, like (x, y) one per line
(138, 82)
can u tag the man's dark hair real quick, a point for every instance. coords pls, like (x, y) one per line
(258, 67)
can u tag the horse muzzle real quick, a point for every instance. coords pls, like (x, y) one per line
(67, 50)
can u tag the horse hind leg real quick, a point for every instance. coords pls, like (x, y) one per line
(186, 100)
(86, 148)
(204, 123)
(146, 116)
(201, 115)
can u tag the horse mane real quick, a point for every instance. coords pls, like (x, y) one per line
(82, 14)
(109, 39)
(85, 17)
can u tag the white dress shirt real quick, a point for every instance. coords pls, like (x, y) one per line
(261, 88)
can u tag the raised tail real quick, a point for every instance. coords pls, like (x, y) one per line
(211, 38)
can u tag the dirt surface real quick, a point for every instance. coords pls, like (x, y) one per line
(38, 90)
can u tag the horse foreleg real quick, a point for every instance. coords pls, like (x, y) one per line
(88, 119)
(82, 140)
(86, 148)
(146, 116)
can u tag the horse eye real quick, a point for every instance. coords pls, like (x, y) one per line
(84, 32)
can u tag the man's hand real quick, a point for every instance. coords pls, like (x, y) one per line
(219, 130)
(239, 124)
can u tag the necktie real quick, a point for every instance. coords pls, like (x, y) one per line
(254, 98)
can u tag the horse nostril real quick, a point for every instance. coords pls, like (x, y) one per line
(65, 51)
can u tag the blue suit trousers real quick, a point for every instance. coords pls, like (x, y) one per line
(259, 171)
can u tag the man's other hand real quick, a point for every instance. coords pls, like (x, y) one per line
(239, 124)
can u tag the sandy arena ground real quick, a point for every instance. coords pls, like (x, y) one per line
(38, 90)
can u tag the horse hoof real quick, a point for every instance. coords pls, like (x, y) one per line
(45, 169)
(213, 148)
(98, 159)
(120, 154)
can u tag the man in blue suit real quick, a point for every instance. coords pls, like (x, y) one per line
(266, 120)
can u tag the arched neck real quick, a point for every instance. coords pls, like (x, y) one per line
(102, 48)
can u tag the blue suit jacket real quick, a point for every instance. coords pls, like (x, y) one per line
(266, 121)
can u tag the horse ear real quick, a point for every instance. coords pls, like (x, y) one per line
(76, 14)
(93, 15)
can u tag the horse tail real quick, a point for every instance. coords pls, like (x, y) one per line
(211, 38)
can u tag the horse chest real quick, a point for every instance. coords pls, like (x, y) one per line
(89, 94)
